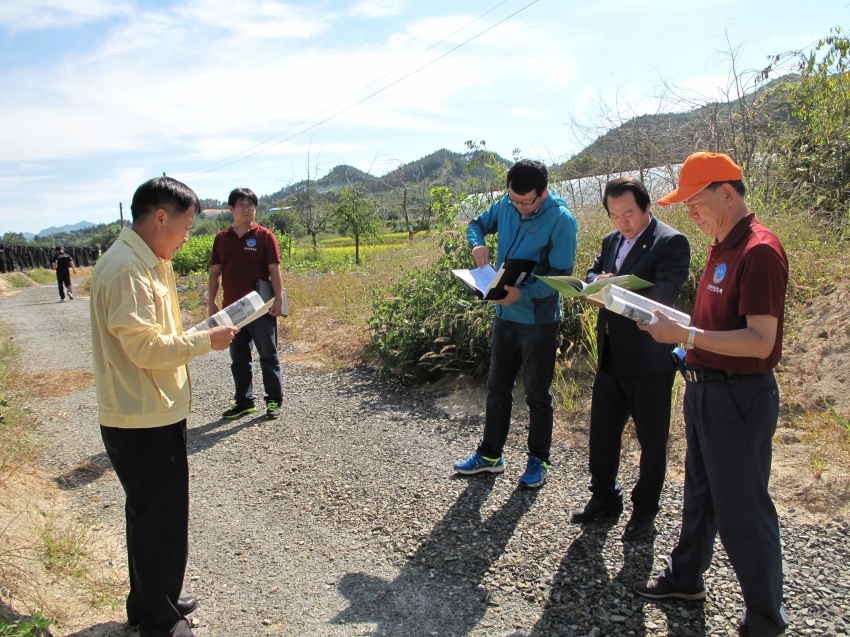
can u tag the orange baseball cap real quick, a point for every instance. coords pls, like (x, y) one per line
(700, 170)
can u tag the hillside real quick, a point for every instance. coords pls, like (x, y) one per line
(660, 139)
(68, 229)
(443, 167)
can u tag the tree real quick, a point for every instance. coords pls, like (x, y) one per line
(14, 239)
(815, 156)
(445, 206)
(484, 190)
(356, 217)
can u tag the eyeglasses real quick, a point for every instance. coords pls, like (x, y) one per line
(524, 203)
(246, 207)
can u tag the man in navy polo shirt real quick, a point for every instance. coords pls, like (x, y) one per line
(242, 254)
(731, 399)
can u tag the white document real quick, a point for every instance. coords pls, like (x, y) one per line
(637, 307)
(239, 314)
(479, 278)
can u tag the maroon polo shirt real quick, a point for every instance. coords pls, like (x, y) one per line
(746, 274)
(243, 259)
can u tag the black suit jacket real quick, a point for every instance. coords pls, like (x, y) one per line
(661, 256)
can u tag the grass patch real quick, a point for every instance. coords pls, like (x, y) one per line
(17, 281)
(42, 276)
(65, 545)
(50, 383)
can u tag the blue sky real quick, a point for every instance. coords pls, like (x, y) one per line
(99, 95)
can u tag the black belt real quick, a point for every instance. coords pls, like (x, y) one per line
(708, 375)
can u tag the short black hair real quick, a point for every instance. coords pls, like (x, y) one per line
(620, 186)
(238, 194)
(167, 193)
(527, 175)
(737, 184)
(59, 248)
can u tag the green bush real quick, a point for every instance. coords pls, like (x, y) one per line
(429, 322)
(194, 257)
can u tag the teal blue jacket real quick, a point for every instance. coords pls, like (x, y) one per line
(548, 237)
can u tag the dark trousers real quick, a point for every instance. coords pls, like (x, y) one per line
(152, 467)
(647, 400)
(533, 348)
(64, 281)
(729, 428)
(261, 334)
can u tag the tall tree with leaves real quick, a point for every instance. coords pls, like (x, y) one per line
(356, 217)
(816, 155)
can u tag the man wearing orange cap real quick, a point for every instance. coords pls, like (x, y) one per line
(731, 398)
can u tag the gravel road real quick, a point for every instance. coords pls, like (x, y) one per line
(344, 518)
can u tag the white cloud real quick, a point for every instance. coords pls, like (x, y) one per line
(377, 8)
(262, 19)
(45, 14)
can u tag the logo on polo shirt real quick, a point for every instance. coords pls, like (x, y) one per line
(719, 274)
(252, 242)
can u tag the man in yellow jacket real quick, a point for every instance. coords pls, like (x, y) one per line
(144, 396)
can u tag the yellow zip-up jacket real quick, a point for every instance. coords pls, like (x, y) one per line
(138, 346)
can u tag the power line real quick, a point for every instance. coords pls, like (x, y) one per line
(371, 95)
(345, 99)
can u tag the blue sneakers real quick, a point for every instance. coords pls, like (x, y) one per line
(476, 463)
(535, 473)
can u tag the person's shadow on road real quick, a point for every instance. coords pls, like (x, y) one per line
(210, 434)
(437, 588)
(584, 594)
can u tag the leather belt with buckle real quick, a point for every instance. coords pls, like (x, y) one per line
(708, 375)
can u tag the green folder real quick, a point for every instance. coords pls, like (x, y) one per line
(571, 287)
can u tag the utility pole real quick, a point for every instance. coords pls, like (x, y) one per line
(121, 210)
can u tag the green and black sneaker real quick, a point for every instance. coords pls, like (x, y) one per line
(237, 410)
(272, 410)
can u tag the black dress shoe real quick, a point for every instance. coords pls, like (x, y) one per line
(639, 526)
(185, 605)
(597, 508)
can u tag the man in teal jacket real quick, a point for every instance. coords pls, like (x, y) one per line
(532, 223)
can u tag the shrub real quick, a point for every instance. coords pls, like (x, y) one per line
(194, 257)
(429, 321)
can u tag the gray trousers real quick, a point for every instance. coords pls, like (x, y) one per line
(729, 427)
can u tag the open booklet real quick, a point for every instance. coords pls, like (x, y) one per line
(239, 314)
(637, 307)
(489, 285)
(571, 287)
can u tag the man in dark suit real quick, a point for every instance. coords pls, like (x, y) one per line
(634, 375)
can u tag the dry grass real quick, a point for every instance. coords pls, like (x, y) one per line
(329, 313)
(50, 383)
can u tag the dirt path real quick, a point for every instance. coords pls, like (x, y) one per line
(343, 517)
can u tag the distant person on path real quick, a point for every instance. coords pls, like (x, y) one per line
(634, 374)
(63, 263)
(140, 358)
(731, 398)
(242, 255)
(532, 223)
